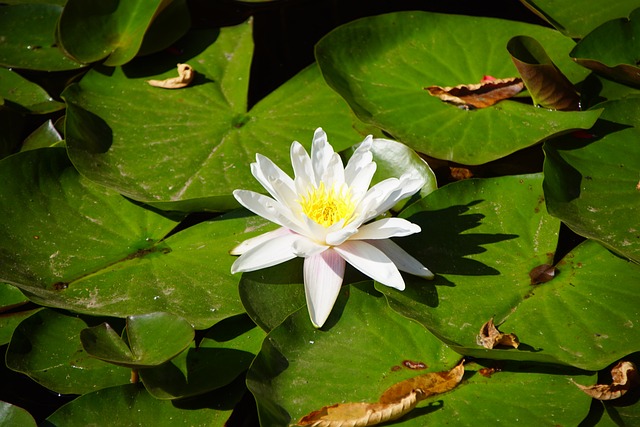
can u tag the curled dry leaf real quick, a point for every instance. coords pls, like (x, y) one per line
(624, 376)
(185, 76)
(396, 401)
(490, 337)
(479, 95)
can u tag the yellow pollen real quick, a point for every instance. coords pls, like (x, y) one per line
(327, 206)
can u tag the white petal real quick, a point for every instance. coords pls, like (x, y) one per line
(402, 259)
(258, 240)
(360, 159)
(304, 247)
(333, 174)
(371, 261)
(302, 168)
(359, 184)
(386, 228)
(321, 154)
(268, 208)
(323, 275)
(337, 237)
(274, 180)
(271, 252)
(385, 194)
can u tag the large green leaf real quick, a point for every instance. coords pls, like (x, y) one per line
(27, 38)
(153, 339)
(613, 49)
(382, 64)
(21, 95)
(188, 149)
(227, 350)
(72, 244)
(46, 346)
(577, 19)
(593, 185)
(131, 404)
(91, 30)
(355, 357)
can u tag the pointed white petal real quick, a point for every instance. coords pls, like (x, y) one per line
(267, 254)
(384, 195)
(359, 184)
(304, 247)
(359, 160)
(402, 259)
(302, 168)
(268, 208)
(333, 175)
(321, 154)
(372, 262)
(386, 228)
(323, 275)
(274, 180)
(337, 237)
(258, 240)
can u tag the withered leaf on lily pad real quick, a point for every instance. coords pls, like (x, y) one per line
(491, 337)
(480, 95)
(624, 376)
(185, 76)
(395, 402)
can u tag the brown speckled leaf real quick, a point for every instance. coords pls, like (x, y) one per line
(490, 337)
(624, 376)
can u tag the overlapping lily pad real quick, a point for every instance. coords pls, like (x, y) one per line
(72, 244)
(200, 139)
(382, 64)
(21, 95)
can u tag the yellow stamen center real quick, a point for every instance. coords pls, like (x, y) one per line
(327, 206)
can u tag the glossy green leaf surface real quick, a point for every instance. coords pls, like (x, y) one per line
(613, 49)
(577, 19)
(27, 38)
(45, 136)
(92, 30)
(225, 352)
(200, 139)
(46, 346)
(382, 64)
(592, 184)
(11, 415)
(153, 339)
(360, 352)
(24, 96)
(131, 404)
(90, 250)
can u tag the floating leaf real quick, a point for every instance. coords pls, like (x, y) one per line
(381, 64)
(24, 96)
(547, 85)
(11, 415)
(624, 376)
(491, 337)
(46, 135)
(185, 76)
(479, 95)
(613, 50)
(395, 402)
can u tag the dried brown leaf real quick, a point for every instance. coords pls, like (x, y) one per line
(480, 95)
(542, 274)
(624, 376)
(491, 337)
(185, 76)
(395, 402)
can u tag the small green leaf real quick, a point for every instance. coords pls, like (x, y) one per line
(27, 38)
(92, 30)
(23, 96)
(11, 415)
(548, 87)
(46, 347)
(46, 135)
(613, 50)
(154, 338)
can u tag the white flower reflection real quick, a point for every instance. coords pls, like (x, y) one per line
(324, 215)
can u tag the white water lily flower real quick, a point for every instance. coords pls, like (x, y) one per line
(324, 215)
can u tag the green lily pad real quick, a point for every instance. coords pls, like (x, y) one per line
(225, 352)
(577, 19)
(131, 404)
(613, 50)
(381, 65)
(153, 339)
(89, 31)
(358, 354)
(46, 347)
(188, 149)
(23, 96)
(86, 248)
(593, 185)
(27, 38)
(46, 135)
(11, 415)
